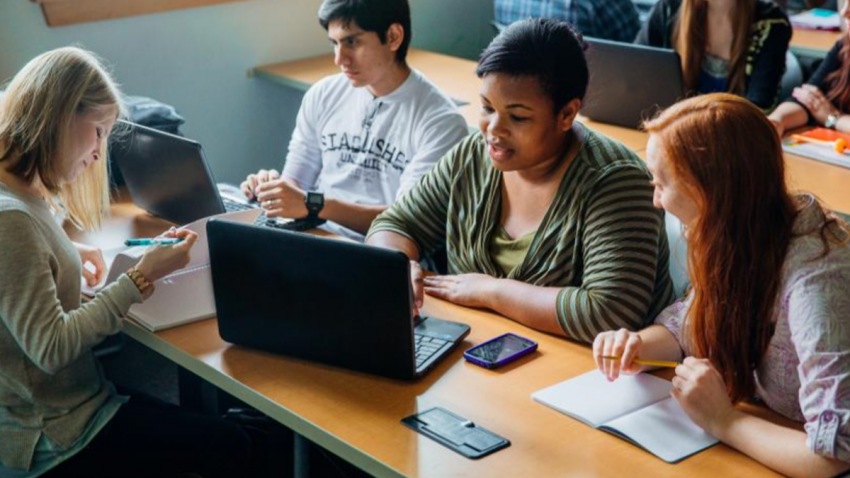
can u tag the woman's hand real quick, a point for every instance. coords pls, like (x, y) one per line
(416, 276)
(623, 343)
(281, 198)
(699, 389)
(815, 101)
(161, 260)
(94, 267)
(469, 290)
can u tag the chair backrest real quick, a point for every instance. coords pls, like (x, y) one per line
(793, 76)
(678, 254)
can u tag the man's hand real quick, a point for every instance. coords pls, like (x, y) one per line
(282, 198)
(249, 185)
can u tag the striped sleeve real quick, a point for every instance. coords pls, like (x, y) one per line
(620, 254)
(420, 214)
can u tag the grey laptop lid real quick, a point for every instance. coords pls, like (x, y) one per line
(166, 175)
(326, 300)
(630, 83)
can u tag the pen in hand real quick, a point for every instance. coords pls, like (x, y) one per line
(152, 241)
(646, 362)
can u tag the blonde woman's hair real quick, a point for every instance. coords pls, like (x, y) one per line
(36, 114)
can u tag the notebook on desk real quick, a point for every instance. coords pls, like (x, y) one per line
(630, 83)
(326, 300)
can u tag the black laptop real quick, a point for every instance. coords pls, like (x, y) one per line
(167, 175)
(630, 83)
(326, 300)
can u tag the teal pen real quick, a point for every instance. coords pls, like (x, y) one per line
(151, 242)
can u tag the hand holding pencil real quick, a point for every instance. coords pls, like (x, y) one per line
(618, 352)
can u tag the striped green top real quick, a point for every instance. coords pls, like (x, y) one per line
(601, 239)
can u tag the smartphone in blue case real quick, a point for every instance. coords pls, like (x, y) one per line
(500, 350)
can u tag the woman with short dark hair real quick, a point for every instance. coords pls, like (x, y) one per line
(545, 221)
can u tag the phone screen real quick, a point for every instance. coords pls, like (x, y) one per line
(500, 349)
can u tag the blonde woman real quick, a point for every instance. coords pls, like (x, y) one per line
(58, 414)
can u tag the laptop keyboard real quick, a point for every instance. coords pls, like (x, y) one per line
(233, 206)
(263, 220)
(426, 347)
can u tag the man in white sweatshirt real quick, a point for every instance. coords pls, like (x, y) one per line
(365, 136)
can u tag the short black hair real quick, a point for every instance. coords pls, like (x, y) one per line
(550, 50)
(372, 16)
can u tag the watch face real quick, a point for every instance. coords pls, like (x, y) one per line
(315, 199)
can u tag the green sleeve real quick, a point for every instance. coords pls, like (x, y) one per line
(620, 253)
(422, 212)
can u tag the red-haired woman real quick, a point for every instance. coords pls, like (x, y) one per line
(735, 46)
(825, 98)
(767, 315)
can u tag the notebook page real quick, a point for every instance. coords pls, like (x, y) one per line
(591, 398)
(182, 297)
(663, 429)
(200, 253)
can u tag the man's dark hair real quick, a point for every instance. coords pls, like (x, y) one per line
(544, 48)
(372, 16)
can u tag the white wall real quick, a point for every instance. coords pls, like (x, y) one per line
(196, 60)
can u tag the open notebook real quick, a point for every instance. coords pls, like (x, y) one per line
(185, 295)
(638, 408)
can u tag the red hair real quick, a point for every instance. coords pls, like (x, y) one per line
(728, 156)
(690, 35)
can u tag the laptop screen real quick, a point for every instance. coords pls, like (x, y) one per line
(166, 175)
(630, 83)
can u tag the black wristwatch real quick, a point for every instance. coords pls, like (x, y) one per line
(315, 201)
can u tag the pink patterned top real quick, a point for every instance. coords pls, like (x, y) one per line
(805, 374)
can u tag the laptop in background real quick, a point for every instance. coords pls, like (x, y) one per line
(630, 83)
(166, 175)
(325, 300)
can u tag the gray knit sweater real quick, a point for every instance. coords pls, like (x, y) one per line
(50, 382)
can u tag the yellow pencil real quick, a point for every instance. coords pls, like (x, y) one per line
(646, 362)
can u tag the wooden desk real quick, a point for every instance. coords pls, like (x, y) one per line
(813, 43)
(356, 416)
(828, 182)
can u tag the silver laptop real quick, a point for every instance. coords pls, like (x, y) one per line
(630, 83)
